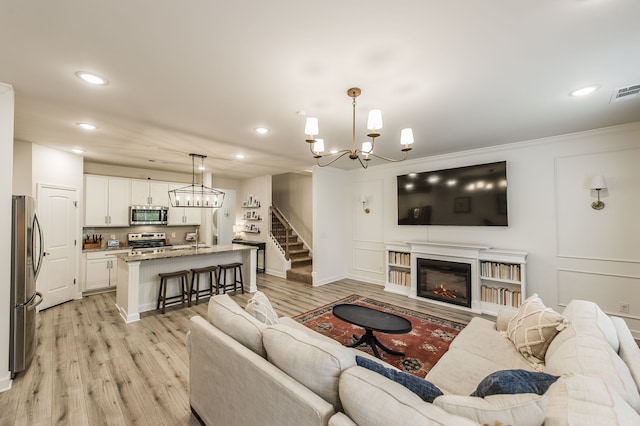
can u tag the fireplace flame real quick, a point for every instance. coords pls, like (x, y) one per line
(441, 290)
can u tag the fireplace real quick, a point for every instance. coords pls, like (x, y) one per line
(444, 281)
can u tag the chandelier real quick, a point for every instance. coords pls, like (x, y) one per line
(365, 152)
(196, 195)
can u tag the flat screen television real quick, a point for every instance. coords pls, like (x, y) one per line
(464, 196)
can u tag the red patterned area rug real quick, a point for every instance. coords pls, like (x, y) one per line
(428, 340)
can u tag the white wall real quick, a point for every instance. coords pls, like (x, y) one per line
(330, 224)
(6, 171)
(574, 251)
(260, 189)
(137, 173)
(293, 195)
(22, 155)
(55, 167)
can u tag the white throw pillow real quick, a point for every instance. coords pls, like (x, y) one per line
(533, 328)
(260, 308)
(524, 409)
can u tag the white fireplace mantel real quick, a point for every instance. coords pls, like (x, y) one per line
(474, 255)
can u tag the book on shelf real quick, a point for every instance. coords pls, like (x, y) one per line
(398, 258)
(500, 296)
(400, 278)
(503, 271)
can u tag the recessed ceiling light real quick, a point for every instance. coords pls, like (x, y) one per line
(239, 156)
(585, 91)
(92, 78)
(77, 150)
(87, 126)
(261, 130)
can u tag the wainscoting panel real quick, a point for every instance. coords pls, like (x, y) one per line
(610, 233)
(608, 290)
(368, 262)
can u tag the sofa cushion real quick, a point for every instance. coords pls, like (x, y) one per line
(371, 399)
(514, 382)
(313, 362)
(593, 357)
(522, 409)
(628, 351)
(426, 390)
(228, 316)
(260, 308)
(468, 361)
(533, 328)
(582, 400)
(587, 318)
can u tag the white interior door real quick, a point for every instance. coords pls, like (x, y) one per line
(58, 211)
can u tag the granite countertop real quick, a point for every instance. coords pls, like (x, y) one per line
(182, 252)
(93, 250)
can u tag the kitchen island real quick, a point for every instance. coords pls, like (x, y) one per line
(138, 281)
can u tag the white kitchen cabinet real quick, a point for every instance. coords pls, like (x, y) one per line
(185, 216)
(101, 270)
(148, 193)
(107, 201)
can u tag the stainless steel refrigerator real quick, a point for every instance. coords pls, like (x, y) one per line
(27, 251)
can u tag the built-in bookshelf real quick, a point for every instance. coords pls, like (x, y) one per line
(502, 279)
(398, 267)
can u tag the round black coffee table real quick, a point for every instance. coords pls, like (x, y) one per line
(372, 320)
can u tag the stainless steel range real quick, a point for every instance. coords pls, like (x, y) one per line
(146, 242)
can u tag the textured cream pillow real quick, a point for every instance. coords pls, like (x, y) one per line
(533, 328)
(260, 308)
(525, 409)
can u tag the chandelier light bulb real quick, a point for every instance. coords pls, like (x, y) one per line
(375, 120)
(311, 126)
(367, 148)
(406, 136)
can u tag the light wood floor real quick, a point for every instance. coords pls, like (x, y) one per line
(91, 368)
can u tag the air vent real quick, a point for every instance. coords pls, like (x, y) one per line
(628, 92)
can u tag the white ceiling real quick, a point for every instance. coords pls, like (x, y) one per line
(200, 75)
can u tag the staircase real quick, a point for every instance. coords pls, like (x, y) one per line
(293, 249)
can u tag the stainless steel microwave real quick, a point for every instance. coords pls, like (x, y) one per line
(148, 215)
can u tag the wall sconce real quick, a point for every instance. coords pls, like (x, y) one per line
(598, 183)
(363, 200)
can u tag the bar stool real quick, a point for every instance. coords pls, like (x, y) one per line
(236, 268)
(173, 300)
(195, 281)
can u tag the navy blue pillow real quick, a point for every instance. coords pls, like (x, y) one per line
(423, 388)
(514, 381)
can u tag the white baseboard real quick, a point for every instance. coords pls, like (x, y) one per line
(5, 382)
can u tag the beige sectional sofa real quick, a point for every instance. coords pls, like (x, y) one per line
(244, 372)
